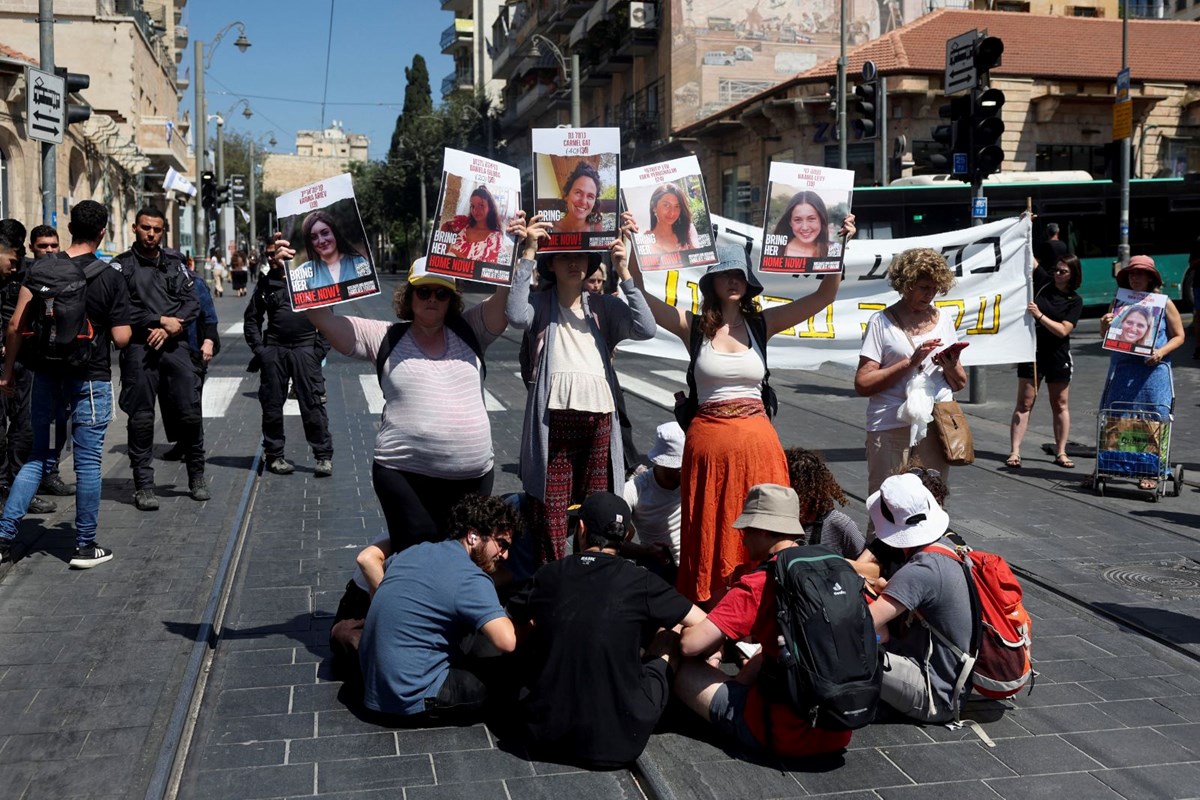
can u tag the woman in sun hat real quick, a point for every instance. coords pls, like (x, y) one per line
(731, 444)
(920, 672)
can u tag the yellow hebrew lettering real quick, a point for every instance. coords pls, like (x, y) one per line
(672, 291)
(809, 331)
(869, 307)
(995, 326)
(960, 309)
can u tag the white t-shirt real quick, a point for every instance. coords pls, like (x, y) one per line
(886, 344)
(656, 511)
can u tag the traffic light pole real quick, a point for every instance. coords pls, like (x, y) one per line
(220, 182)
(976, 377)
(843, 134)
(199, 128)
(49, 151)
(252, 245)
(882, 129)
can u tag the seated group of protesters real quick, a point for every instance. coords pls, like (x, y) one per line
(585, 655)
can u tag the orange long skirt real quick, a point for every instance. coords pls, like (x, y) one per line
(722, 458)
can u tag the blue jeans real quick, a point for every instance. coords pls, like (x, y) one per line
(88, 405)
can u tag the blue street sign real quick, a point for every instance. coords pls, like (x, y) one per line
(53, 219)
(960, 163)
(979, 208)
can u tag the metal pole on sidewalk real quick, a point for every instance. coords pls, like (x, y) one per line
(841, 89)
(575, 123)
(976, 377)
(252, 245)
(199, 128)
(221, 182)
(49, 151)
(1123, 246)
(884, 166)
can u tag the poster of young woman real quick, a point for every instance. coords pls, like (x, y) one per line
(805, 210)
(478, 198)
(575, 185)
(333, 263)
(671, 209)
(1136, 317)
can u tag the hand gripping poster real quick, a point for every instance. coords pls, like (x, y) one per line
(1137, 317)
(668, 203)
(806, 207)
(332, 263)
(575, 185)
(478, 198)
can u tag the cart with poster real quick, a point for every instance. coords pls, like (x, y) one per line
(1133, 442)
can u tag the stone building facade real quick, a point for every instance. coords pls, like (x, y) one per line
(319, 155)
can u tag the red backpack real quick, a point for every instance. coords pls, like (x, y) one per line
(1001, 641)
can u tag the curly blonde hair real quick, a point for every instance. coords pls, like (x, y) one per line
(918, 264)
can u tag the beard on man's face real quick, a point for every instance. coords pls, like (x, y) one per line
(480, 557)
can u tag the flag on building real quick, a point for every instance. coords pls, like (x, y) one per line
(175, 181)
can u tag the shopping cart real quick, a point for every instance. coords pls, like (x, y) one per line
(1133, 442)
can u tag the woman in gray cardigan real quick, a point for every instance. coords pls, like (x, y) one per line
(571, 440)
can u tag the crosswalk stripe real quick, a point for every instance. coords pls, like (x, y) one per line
(236, 329)
(371, 390)
(673, 375)
(291, 407)
(491, 402)
(647, 391)
(218, 394)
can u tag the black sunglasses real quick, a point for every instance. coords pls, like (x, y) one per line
(426, 292)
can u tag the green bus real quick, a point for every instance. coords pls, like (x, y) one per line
(1164, 219)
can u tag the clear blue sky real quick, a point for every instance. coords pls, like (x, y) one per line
(373, 41)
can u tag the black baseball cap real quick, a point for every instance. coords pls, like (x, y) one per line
(600, 510)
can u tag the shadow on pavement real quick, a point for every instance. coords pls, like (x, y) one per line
(1170, 625)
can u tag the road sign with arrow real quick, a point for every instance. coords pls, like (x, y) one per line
(961, 74)
(45, 108)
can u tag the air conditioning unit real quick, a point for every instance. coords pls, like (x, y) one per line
(643, 15)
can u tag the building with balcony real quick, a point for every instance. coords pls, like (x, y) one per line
(319, 155)
(465, 39)
(119, 157)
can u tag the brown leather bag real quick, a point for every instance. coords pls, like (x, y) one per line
(958, 446)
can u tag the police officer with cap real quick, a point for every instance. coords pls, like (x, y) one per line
(158, 362)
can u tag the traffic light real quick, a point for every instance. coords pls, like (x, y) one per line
(985, 122)
(833, 104)
(866, 105)
(223, 192)
(950, 138)
(76, 82)
(208, 191)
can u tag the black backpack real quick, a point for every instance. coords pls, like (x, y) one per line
(396, 332)
(57, 333)
(687, 405)
(829, 668)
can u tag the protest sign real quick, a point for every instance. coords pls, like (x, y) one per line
(992, 264)
(478, 198)
(575, 186)
(333, 263)
(1136, 320)
(806, 207)
(668, 203)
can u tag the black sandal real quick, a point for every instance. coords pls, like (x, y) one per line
(1064, 461)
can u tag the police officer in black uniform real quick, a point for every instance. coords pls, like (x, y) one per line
(158, 363)
(291, 349)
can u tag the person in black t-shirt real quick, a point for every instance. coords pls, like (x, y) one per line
(1056, 307)
(81, 394)
(591, 697)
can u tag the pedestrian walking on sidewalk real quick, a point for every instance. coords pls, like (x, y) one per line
(1055, 308)
(77, 388)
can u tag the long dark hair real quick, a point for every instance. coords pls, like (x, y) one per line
(585, 170)
(493, 217)
(711, 318)
(683, 226)
(1073, 265)
(784, 226)
(344, 247)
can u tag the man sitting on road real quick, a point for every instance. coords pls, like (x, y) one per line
(422, 658)
(770, 523)
(591, 697)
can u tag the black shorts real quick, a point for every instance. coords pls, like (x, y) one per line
(1052, 369)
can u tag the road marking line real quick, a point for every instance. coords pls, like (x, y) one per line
(492, 403)
(291, 407)
(647, 391)
(236, 329)
(673, 375)
(371, 390)
(218, 394)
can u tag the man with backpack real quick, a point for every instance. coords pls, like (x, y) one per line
(754, 709)
(69, 308)
(157, 365)
(291, 349)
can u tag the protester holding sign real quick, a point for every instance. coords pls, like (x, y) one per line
(571, 442)
(909, 339)
(434, 444)
(1134, 378)
(731, 444)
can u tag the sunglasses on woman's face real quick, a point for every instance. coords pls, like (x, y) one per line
(426, 292)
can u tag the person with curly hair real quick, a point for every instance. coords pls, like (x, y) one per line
(820, 494)
(478, 235)
(581, 192)
(905, 340)
(731, 444)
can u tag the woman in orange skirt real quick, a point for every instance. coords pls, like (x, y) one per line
(731, 443)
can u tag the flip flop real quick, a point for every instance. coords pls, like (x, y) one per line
(1064, 461)
(1149, 484)
(1014, 461)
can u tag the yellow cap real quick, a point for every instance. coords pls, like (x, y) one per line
(417, 276)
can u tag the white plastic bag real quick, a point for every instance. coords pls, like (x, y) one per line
(917, 408)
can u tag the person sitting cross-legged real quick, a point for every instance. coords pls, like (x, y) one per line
(592, 696)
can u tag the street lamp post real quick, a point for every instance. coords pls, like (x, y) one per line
(220, 118)
(571, 73)
(202, 63)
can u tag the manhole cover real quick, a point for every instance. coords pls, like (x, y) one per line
(1177, 579)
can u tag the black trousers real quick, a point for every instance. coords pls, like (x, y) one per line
(16, 429)
(171, 378)
(303, 366)
(417, 507)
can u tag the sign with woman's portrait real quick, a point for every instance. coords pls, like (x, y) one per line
(1136, 320)
(333, 263)
(668, 203)
(575, 185)
(806, 207)
(478, 198)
